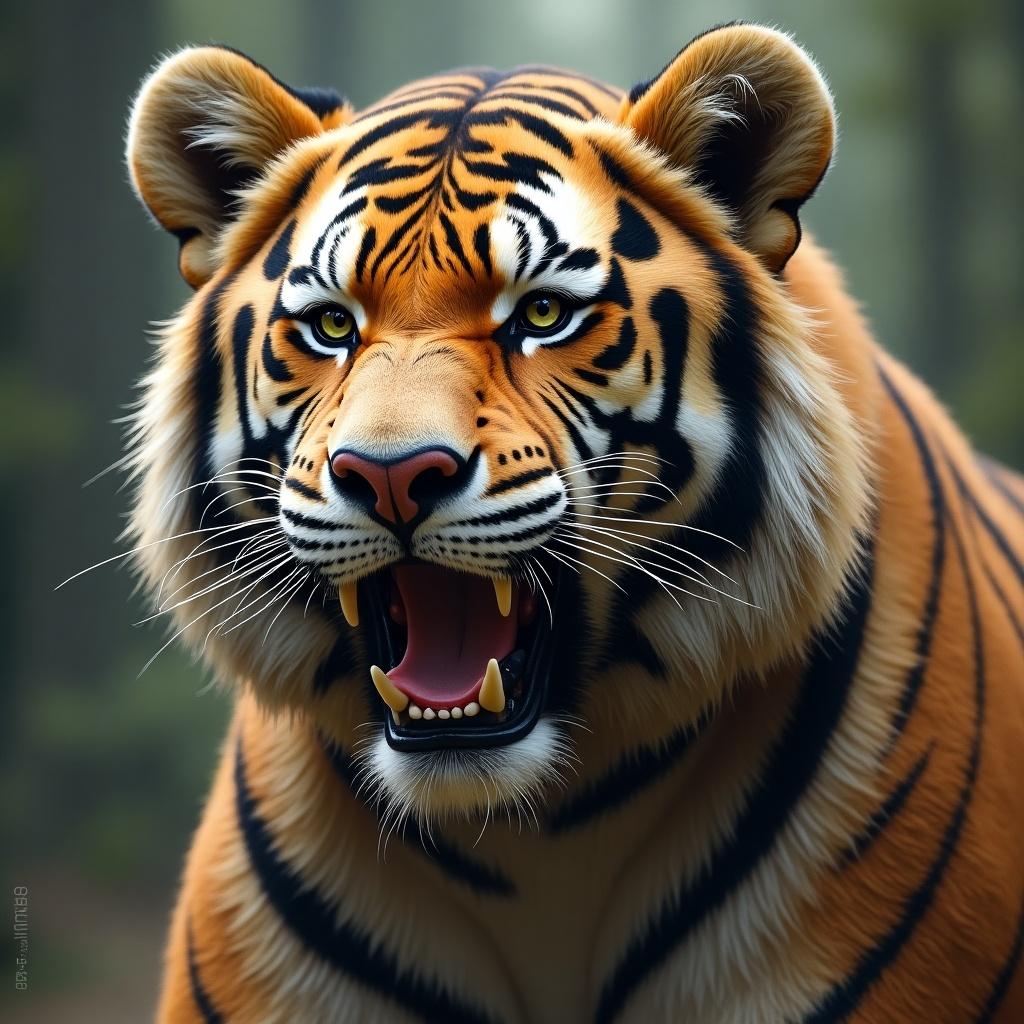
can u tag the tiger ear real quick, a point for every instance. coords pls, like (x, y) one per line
(747, 113)
(205, 123)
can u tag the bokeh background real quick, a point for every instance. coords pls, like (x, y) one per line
(103, 771)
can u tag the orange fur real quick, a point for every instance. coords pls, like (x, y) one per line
(303, 896)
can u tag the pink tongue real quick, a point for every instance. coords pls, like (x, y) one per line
(454, 629)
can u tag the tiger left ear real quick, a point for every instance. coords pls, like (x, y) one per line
(205, 123)
(747, 113)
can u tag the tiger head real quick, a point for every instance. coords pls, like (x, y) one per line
(491, 422)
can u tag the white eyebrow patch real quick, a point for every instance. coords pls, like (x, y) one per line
(523, 234)
(327, 247)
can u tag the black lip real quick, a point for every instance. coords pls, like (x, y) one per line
(464, 735)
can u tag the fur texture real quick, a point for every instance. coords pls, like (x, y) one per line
(776, 779)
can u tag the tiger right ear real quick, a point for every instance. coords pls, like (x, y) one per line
(747, 113)
(205, 123)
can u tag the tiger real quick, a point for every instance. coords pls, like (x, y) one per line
(615, 631)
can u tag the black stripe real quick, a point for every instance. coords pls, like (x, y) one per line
(200, 996)
(995, 474)
(616, 355)
(341, 944)
(356, 206)
(1005, 975)
(891, 806)
(847, 994)
(520, 480)
(583, 450)
(382, 131)
(276, 369)
(536, 126)
(545, 103)
(482, 247)
(542, 70)
(206, 387)
(937, 506)
(311, 523)
(634, 238)
(528, 508)
(991, 528)
(517, 535)
(791, 769)
(633, 772)
(277, 259)
(1015, 622)
(516, 82)
(300, 488)
(396, 236)
(445, 856)
(455, 243)
(365, 248)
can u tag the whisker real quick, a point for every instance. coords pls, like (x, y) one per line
(649, 522)
(164, 540)
(652, 540)
(231, 577)
(562, 557)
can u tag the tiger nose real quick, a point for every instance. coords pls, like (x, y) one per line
(399, 487)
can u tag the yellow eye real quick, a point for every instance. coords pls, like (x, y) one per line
(335, 325)
(542, 313)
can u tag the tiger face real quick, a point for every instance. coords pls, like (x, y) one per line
(491, 424)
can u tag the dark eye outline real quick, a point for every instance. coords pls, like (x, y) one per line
(314, 316)
(517, 328)
(566, 310)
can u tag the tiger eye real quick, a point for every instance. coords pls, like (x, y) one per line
(543, 312)
(336, 324)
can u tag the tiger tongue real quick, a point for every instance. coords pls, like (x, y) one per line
(455, 627)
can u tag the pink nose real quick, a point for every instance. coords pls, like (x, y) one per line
(392, 482)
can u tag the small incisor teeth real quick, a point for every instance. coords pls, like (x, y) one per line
(349, 599)
(503, 592)
(492, 693)
(389, 693)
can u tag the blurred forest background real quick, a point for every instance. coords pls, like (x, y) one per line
(103, 771)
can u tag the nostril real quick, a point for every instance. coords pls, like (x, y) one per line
(355, 486)
(360, 480)
(430, 486)
(399, 490)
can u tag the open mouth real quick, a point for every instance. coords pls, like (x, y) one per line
(458, 660)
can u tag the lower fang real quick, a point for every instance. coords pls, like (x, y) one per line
(492, 692)
(471, 709)
(415, 712)
(389, 693)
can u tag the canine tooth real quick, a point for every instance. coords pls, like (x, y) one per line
(503, 592)
(444, 713)
(347, 595)
(415, 712)
(471, 709)
(492, 693)
(428, 713)
(456, 712)
(389, 693)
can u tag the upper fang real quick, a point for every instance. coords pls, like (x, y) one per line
(348, 596)
(503, 592)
